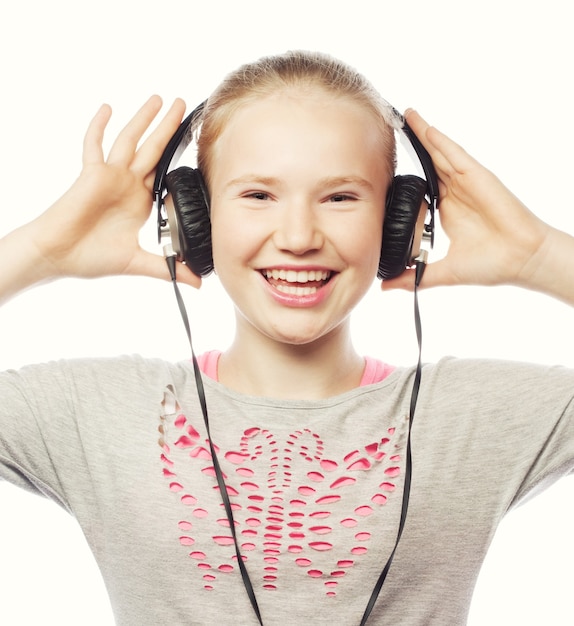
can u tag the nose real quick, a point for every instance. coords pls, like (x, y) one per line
(298, 230)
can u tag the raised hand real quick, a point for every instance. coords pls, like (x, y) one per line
(494, 239)
(92, 230)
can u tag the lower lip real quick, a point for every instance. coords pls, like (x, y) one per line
(306, 301)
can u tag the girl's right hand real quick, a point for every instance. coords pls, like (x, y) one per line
(92, 230)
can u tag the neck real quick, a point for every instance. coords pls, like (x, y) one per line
(256, 365)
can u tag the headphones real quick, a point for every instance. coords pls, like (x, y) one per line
(184, 225)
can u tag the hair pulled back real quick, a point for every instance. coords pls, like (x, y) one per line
(271, 74)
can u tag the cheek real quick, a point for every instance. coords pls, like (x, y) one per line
(221, 225)
(233, 239)
(224, 245)
(362, 243)
(219, 237)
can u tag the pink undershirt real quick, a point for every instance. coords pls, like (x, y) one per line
(375, 371)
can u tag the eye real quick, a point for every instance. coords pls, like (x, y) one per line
(341, 197)
(257, 195)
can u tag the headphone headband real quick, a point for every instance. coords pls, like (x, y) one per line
(171, 155)
(412, 143)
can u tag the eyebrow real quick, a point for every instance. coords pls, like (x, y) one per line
(327, 181)
(252, 179)
(336, 181)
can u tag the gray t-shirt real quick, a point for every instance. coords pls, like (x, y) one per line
(315, 485)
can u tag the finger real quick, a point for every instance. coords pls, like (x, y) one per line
(454, 154)
(92, 148)
(185, 275)
(423, 131)
(151, 150)
(405, 281)
(125, 145)
(435, 275)
(419, 125)
(153, 265)
(448, 156)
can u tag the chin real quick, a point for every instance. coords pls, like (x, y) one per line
(305, 338)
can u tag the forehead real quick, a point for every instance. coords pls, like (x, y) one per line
(310, 123)
(288, 102)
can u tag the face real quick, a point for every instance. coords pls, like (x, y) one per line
(298, 189)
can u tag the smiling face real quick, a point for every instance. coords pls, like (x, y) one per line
(298, 188)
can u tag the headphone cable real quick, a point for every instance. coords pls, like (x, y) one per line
(420, 265)
(217, 468)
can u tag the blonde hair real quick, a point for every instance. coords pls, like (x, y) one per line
(300, 69)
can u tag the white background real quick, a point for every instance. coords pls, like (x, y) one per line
(494, 75)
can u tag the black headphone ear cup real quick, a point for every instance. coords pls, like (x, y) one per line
(191, 206)
(401, 213)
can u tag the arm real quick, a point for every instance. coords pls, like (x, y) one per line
(494, 238)
(92, 230)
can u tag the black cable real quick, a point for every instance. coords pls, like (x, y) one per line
(217, 468)
(420, 267)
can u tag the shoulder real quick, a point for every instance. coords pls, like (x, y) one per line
(122, 376)
(499, 375)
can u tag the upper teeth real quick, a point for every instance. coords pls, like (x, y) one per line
(294, 276)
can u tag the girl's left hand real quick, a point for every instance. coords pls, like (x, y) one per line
(493, 238)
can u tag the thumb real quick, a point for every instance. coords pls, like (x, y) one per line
(405, 281)
(155, 266)
(434, 275)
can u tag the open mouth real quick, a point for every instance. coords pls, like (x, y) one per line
(297, 282)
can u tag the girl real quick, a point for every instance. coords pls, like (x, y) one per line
(309, 438)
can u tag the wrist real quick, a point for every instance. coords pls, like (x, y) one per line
(24, 265)
(548, 270)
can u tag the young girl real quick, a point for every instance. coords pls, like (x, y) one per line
(297, 153)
